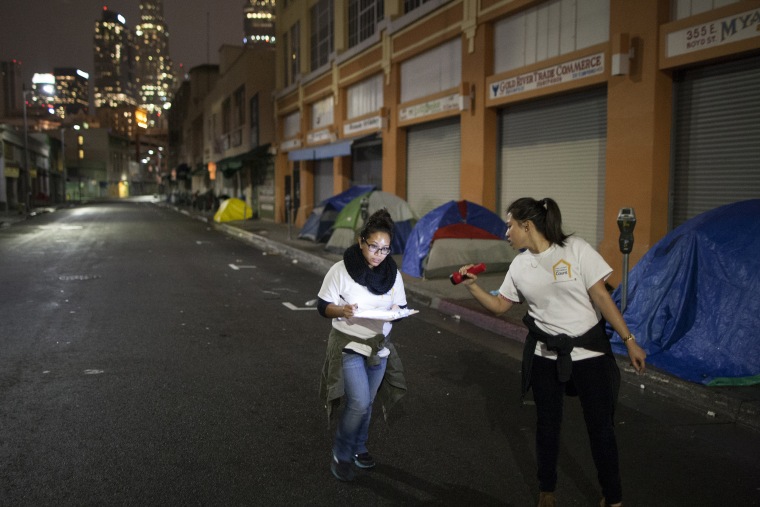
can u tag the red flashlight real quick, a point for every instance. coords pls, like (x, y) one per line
(457, 278)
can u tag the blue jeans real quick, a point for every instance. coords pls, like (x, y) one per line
(361, 383)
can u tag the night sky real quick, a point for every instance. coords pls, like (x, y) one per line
(44, 34)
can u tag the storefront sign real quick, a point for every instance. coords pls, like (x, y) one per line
(444, 104)
(714, 33)
(561, 73)
(373, 123)
(319, 136)
(290, 144)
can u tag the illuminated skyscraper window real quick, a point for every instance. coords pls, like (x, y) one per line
(114, 79)
(155, 75)
(258, 22)
(72, 91)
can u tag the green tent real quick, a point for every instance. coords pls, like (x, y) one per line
(349, 221)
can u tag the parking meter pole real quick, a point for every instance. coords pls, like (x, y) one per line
(626, 221)
(624, 291)
(288, 213)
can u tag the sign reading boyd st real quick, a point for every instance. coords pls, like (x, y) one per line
(560, 73)
(745, 25)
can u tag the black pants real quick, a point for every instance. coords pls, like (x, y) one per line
(593, 381)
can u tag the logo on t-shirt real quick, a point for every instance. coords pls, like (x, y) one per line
(562, 271)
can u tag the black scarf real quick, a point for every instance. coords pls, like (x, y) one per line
(379, 280)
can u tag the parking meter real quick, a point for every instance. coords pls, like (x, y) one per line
(364, 208)
(626, 221)
(288, 211)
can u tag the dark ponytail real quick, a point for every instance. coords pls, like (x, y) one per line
(379, 221)
(544, 214)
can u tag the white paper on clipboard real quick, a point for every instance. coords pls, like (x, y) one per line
(386, 315)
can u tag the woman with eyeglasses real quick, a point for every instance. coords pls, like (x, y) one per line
(361, 362)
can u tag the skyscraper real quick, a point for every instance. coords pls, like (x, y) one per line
(72, 91)
(114, 80)
(10, 88)
(155, 74)
(258, 22)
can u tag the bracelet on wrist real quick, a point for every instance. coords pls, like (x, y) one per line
(628, 338)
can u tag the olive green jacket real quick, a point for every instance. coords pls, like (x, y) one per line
(331, 390)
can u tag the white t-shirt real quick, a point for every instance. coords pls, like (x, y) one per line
(555, 285)
(339, 288)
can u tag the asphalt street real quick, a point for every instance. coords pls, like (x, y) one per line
(149, 359)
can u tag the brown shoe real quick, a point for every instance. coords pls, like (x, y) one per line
(546, 500)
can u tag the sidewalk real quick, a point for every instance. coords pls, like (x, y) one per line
(10, 217)
(719, 404)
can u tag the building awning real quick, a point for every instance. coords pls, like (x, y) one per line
(332, 150)
(253, 158)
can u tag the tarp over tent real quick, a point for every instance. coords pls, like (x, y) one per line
(692, 298)
(454, 234)
(320, 221)
(233, 209)
(349, 220)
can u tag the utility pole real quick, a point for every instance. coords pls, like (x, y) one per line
(27, 179)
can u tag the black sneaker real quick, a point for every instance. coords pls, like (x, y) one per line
(342, 470)
(364, 460)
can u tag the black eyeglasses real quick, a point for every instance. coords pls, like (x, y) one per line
(375, 249)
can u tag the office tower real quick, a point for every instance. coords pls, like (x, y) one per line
(72, 91)
(258, 22)
(41, 98)
(10, 88)
(114, 79)
(155, 73)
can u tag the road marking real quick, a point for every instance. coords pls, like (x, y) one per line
(199, 242)
(291, 306)
(238, 268)
(93, 372)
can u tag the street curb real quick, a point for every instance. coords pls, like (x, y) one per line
(713, 404)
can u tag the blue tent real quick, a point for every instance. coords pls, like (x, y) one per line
(462, 218)
(693, 298)
(319, 224)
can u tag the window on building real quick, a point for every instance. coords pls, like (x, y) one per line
(548, 30)
(294, 53)
(226, 116)
(363, 17)
(322, 113)
(291, 125)
(238, 102)
(410, 5)
(237, 117)
(321, 33)
(433, 71)
(365, 97)
(686, 8)
(286, 61)
(254, 111)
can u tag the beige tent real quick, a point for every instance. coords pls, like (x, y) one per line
(231, 210)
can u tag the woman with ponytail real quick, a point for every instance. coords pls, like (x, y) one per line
(361, 362)
(567, 350)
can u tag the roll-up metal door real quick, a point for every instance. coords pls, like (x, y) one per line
(367, 159)
(433, 162)
(556, 148)
(323, 179)
(716, 141)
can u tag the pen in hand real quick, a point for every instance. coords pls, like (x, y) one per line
(348, 308)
